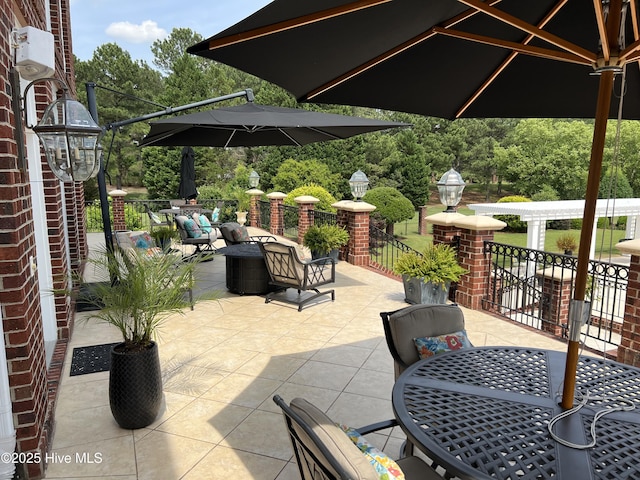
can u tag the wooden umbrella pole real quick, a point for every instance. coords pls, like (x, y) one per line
(591, 198)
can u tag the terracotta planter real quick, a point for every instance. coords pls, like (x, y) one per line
(135, 387)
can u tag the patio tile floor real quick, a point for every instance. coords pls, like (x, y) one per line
(224, 361)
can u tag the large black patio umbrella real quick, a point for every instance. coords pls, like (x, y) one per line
(252, 125)
(187, 188)
(452, 59)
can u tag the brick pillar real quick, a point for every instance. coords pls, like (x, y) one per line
(355, 217)
(629, 349)
(254, 207)
(422, 224)
(306, 207)
(556, 298)
(474, 231)
(117, 206)
(276, 200)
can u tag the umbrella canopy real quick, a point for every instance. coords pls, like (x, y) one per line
(187, 188)
(252, 125)
(452, 59)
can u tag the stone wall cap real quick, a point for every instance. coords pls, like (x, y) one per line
(443, 218)
(480, 222)
(306, 199)
(632, 247)
(353, 206)
(254, 192)
(117, 193)
(276, 195)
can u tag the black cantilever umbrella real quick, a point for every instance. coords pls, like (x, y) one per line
(452, 59)
(251, 125)
(187, 188)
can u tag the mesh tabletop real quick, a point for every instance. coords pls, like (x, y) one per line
(484, 412)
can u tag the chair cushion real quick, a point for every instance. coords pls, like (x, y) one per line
(339, 445)
(192, 228)
(422, 321)
(142, 240)
(155, 218)
(386, 467)
(430, 346)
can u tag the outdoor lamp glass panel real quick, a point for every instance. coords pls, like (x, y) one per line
(359, 184)
(450, 188)
(254, 179)
(70, 138)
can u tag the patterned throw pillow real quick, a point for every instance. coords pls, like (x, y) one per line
(142, 240)
(240, 234)
(385, 467)
(193, 230)
(205, 225)
(430, 346)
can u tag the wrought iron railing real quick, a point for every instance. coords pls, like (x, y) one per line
(534, 288)
(385, 249)
(265, 214)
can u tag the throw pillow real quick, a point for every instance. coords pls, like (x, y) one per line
(385, 467)
(205, 225)
(215, 216)
(193, 230)
(142, 240)
(155, 218)
(240, 234)
(430, 346)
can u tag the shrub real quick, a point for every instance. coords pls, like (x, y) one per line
(324, 238)
(514, 224)
(567, 242)
(326, 199)
(437, 264)
(391, 205)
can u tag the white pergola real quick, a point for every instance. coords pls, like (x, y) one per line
(536, 215)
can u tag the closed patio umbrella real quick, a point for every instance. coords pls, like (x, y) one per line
(453, 59)
(187, 188)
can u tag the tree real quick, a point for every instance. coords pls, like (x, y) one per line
(391, 206)
(292, 174)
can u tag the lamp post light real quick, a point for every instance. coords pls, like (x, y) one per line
(358, 184)
(450, 187)
(254, 179)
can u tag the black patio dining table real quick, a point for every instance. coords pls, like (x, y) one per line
(484, 413)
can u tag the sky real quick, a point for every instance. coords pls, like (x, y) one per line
(135, 24)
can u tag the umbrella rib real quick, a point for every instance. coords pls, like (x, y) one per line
(294, 23)
(509, 59)
(297, 144)
(531, 29)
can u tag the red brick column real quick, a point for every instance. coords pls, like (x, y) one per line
(557, 293)
(422, 224)
(306, 207)
(629, 349)
(276, 200)
(474, 231)
(355, 217)
(254, 207)
(117, 206)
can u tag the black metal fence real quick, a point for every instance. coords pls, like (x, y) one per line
(384, 249)
(534, 287)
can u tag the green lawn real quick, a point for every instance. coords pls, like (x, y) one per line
(407, 232)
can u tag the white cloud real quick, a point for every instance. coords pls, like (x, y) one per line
(147, 32)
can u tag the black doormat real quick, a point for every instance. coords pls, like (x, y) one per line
(92, 359)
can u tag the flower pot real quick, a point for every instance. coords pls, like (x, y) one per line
(315, 254)
(417, 291)
(135, 386)
(241, 217)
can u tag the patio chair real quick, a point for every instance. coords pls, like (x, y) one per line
(324, 451)
(402, 326)
(233, 234)
(191, 234)
(155, 220)
(287, 270)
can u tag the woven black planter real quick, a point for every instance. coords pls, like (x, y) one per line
(135, 387)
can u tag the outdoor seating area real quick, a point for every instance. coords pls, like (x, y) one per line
(222, 364)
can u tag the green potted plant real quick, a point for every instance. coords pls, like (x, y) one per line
(144, 291)
(325, 240)
(427, 276)
(163, 237)
(567, 243)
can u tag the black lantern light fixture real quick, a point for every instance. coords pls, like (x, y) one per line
(254, 179)
(450, 187)
(69, 136)
(358, 184)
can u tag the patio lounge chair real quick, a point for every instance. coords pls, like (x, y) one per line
(287, 270)
(324, 451)
(192, 234)
(156, 220)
